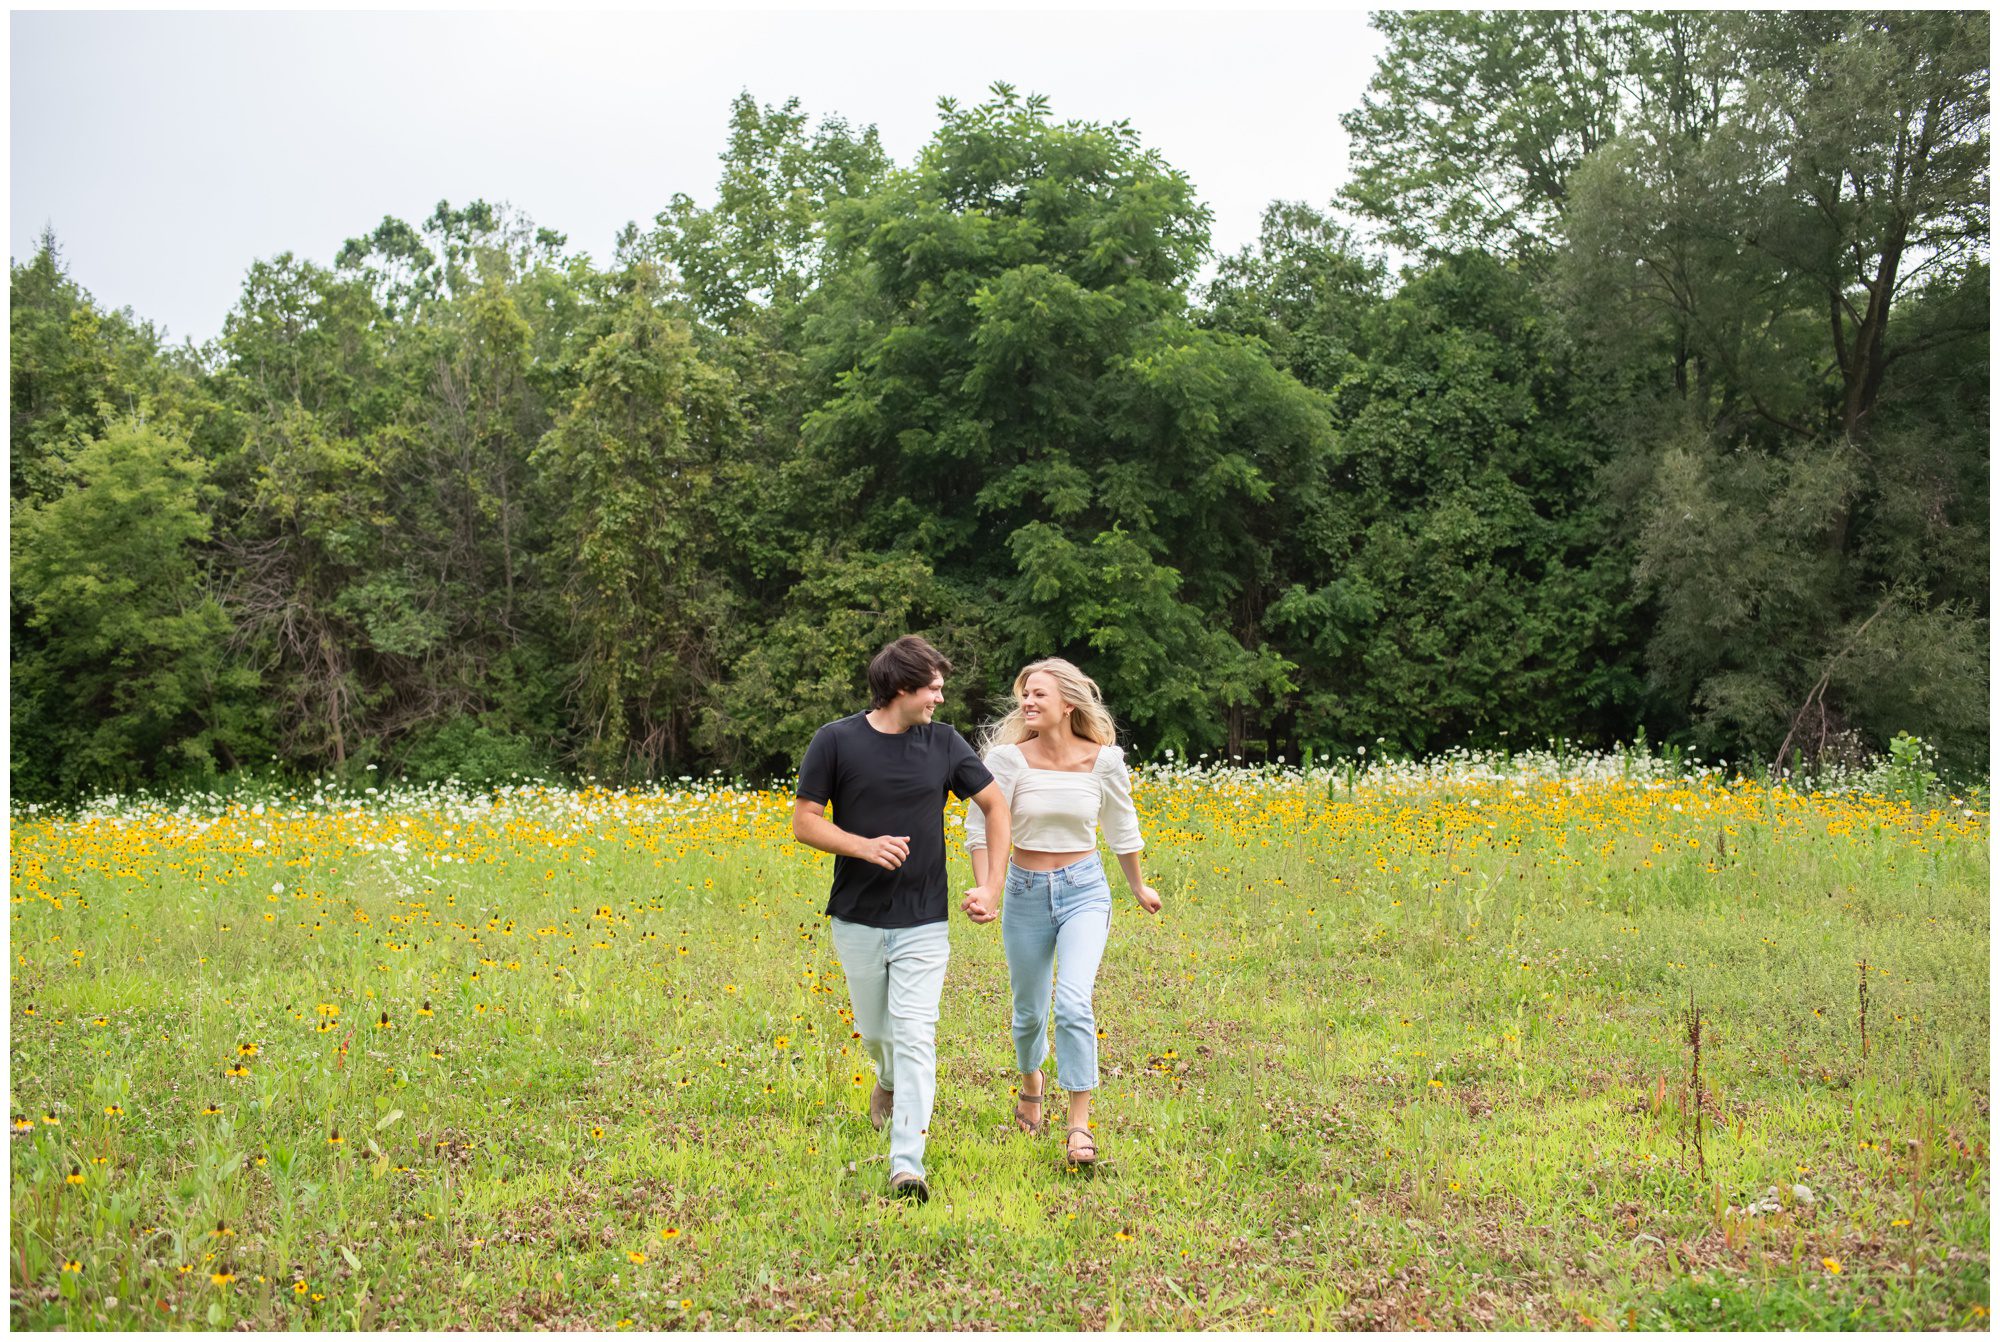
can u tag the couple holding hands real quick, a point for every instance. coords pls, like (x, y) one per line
(1051, 772)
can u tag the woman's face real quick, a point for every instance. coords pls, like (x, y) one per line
(1042, 703)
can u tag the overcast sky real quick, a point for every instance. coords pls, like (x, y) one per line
(170, 150)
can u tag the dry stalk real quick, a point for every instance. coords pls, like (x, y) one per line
(1695, 1091)
(1864, 1009)
(1816, 699)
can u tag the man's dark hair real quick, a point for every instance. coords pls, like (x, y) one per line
(910, 663)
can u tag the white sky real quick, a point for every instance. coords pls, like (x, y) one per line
(170, 150)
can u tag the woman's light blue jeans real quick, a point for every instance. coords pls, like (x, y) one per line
(1058, 918)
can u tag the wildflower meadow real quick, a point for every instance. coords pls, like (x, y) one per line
(1542, 1040)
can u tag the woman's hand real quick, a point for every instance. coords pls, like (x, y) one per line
(1148, 897)
(981, 904)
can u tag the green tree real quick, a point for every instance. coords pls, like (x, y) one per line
(1755, 269)
(632, 463)
(749, 271)
(1778, 640)
(806, 667)
(411, 269)
(1304, 289)
(1881, 124)
(761, 243)
(1013, 392)
(313, 398)
(385, 526)
(1462, 578)
(460, 582)
(1832, 164)
(131, 682)
(73, 368)
(76, 369)
(1474, 120)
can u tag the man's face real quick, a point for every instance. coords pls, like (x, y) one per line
(913, 707)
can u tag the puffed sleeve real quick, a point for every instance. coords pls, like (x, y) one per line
(1005, 764)
(1119, 818)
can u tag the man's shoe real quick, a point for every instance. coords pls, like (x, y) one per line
(881, 1106)
(907, 1185)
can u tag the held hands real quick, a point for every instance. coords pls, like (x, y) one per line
(1148, 897)
(981, 904)
(889, 851)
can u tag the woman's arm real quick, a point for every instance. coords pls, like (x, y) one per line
(1148, 897)
(1001, 766)
(1121, 824)
(982, 902)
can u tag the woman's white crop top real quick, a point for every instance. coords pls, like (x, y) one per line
(1057, 810)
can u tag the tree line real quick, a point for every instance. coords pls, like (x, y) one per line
(1671, 421)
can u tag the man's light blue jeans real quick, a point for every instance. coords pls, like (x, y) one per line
(1060, 917)
(895, 978)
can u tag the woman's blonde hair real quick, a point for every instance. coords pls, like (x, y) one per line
(1088, 717)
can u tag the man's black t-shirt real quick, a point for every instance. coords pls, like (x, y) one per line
(880, 783)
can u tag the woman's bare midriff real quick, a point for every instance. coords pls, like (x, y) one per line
(1027, 859)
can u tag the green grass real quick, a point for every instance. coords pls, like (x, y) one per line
(1375, 1065)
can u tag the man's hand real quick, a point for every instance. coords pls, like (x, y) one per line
(982, 904)
(811, 828)
(889, 851)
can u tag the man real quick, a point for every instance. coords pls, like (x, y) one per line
(886, 773)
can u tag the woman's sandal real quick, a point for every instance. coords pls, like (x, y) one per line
(1069, 1147)
(1036, 1127)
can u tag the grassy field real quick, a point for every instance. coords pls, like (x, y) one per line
(1405, 1049)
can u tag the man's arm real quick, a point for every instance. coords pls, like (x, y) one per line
(989, 864)
(811, 828)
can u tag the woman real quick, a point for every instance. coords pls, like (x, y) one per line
(1056, 760)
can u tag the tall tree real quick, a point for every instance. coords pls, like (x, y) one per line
(410, 269)
(1815, 170)
(131, 681)
(632, 463)
(1881, 124)
(1752, 257)
(1461, 579)
(313, 403)
(1014, 393)
(450, 594)
(761, 243)
(1474, 121)
(1304, 289)
(72, 368)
